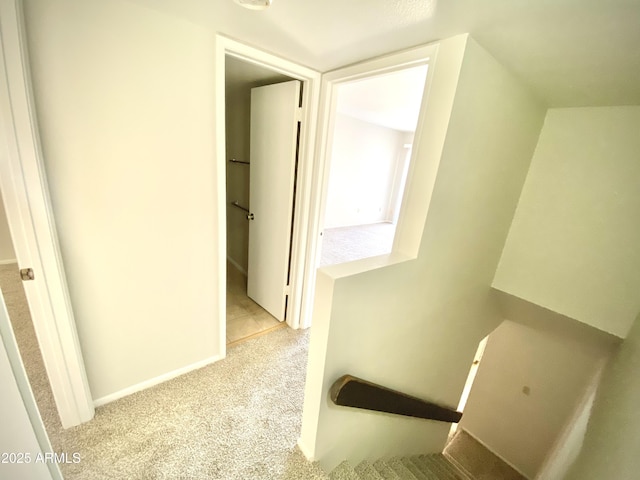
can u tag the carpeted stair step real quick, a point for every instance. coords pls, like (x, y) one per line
(367, 471)
(415, 469)
(403, 472)
(443, 468)
(431, 463)
(385, 471)
(426, 467)
(461, 471)
(344, 471)
(458, 472)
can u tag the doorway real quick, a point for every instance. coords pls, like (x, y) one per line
(234, 175)
(23, 329)
(246, 315)
(374, 126)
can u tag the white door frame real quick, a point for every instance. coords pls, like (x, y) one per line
(412, 212)
(28, 207)
(310, 101)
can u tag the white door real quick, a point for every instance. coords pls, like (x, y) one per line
(274, 136)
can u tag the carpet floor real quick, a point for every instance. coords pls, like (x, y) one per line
(346, 244)
(236, 419)
(476, 459)
(239, 418)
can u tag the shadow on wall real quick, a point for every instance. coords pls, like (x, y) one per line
(7, 253)
(530, 387)
(612, 443)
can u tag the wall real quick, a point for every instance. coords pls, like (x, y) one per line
(395, 325)
(125, 104)
(238, 116)
(611, 446)
(241, 77)
(573, 243)
(522, 427)
(7, 254)
(364, 161)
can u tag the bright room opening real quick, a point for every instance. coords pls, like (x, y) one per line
(373, 129)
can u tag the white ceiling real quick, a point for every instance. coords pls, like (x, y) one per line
(243, 75)
(571, 52)
(392, 100)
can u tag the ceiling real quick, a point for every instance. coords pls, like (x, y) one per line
(570, 52)
(241, 75)
(392, 100)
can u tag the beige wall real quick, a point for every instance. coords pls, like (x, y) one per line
(556, 368)
(364, 162)
(125, 104)
(573, 244)
(7, 253)
(396, 325)
(612, 442)
(241, 77)
(238, 116)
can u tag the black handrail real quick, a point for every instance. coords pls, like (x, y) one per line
(350, 391)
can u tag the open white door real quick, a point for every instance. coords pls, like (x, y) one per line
(275, 114)
(26, 199)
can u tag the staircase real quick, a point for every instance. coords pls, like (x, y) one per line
(350, 391)
(416, 467)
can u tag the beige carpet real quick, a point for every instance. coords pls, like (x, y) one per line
(236, 419)
(469, 454)
(346, 244)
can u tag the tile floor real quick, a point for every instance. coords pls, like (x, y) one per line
(245, 318)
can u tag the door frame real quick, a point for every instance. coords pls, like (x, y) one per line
(33, 232)
(413, 208)
(305, 184)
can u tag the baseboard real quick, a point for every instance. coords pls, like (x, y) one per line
(493, 452)
(237, 265)
(8, 262)
(305, 450)
(98, 402)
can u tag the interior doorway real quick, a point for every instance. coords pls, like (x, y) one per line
(307, 111)
(251, 311)
(23, 329)
(374, 125)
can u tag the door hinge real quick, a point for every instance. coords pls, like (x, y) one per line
(299, 114)
(26, 274)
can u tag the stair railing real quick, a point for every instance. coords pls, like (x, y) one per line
(350, 391)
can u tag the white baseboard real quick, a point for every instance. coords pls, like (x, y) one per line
(155, 381)
(237, 265)
(9, 261)
(305, 450)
